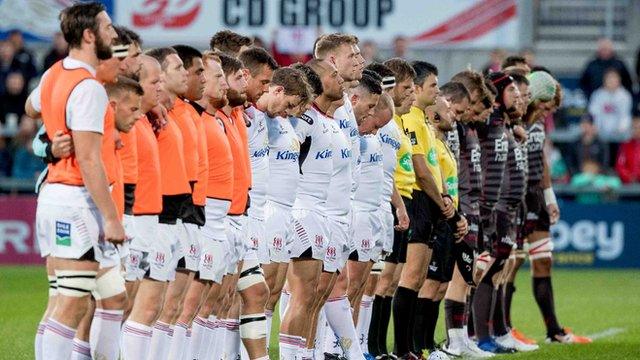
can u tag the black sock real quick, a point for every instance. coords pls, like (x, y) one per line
(482, 302)
(385, 317)
(543, 292)
(509, 289)
(376, 311)
(468, 313)
(432, 321)
(499, 324)
(404, 302)
(421, 318)
(454, 314)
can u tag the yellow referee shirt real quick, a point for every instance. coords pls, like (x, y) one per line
(423, 142)
(449, 169)
(404, 177)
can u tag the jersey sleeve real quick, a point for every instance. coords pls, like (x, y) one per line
(302, 125)
(36, 101)
(87, 106)
(38, 145)
(417, 135)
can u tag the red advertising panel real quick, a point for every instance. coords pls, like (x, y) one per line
(17, 230)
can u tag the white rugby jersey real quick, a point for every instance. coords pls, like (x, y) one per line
(347, 120)
(339, 199)
(259, 156)
(368, 196)
(316, 164)
(389, 136)
(284, 170)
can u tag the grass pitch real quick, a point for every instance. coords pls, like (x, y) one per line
(601, 303)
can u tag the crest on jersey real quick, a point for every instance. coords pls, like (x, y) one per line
(413, 138)
(306, 118)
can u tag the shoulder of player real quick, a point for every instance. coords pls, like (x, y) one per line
(310, 116)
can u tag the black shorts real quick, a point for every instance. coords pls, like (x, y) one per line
(472, 237)
(424, 214)
(463, 255)
(520, 218)
(504, 238)
(400, 238)
(537, 218)
(442, 259)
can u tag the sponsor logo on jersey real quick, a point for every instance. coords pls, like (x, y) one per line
(345, 153)
(306, 118)
(287, 155)
(331, 252)
(521, 159)
(277, 243)
(160, 258)
(475, 159)
(405, 162)
(375, 158)
(260, 153)
(353, 133)
(63, 233)
(207, 259)
(343, 123)
(432, 157)
(193, 250)
(466, 258)
(452, 185)
(501, 147)
(324, 154)
(385, 138)
(319, 241)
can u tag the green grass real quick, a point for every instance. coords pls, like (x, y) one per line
(587, 301)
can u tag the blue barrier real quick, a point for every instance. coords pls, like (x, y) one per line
(599, 235)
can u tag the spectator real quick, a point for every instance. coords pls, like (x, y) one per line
(13, 99)
(593, 186)
(7, 65)
(496, 57)
(26, 164)
(23, 56)
(369, 51)
(557, 165)
(530, 56)
(628, 163)
(515, 62)
(610, 107)
(588, 147)
(58, 51)
(5, 158)
(401, 47)
(593, 74)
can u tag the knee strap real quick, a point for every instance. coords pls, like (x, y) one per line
(495, 268)
(377, 268)
(76, 283)
(540, 249)
(109, 284)
(250, 277)
(53, 285)
(253, 326)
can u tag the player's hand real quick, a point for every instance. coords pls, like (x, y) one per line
(520, 133)
(403, 220)
(448, 210)
(554, 213)
(157, 117)
(114, 232)
(462, 228)
(61, 145)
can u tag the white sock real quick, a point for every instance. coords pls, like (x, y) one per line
(269, 315)
(232, 339)
(136, 339)
(105, 334)
(217, 339)
(364, 321)
(305, 354)
(338, 312)
(331, 341)
(200, 337)
(320, 335)
(160, 341)
(186, 354)
(81, 350)
(57, 341)
(178, 341)
(38, 343)
(284, 301)
(289, 346)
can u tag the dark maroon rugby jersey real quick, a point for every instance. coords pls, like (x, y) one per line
(469, 169)
(493, 157)
(514, 181)
(535, 155)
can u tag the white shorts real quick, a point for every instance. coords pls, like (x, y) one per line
(190, 246)
(278, 231)
(69, 232)
(256, 240)
(235, 227)
(170, 235)
(386, 217)
(339, 247)
(130, 232)
(309, 232)
(214, 245)
(366, 236)
(150, 252)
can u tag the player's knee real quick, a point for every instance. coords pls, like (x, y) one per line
(253, 326)
(111, 290)
(256, 295)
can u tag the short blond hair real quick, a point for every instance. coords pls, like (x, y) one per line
(329, 43)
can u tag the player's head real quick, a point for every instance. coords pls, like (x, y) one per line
(315, 87)
(383, 112)
(288, 89)
(542, 87)
(387, 75)
(523, 88)
(440, 114)
(458, 97)
(150, 72)
(426, 83)
(192, 61)
(507, 92)
(364, 98)
(515, 62)
(259, 67)
(118, 64)
(332, 82)
(342, 51)
(130, 65)
(215, 91)
(174, 75)
(404, 74)
(87, 26)
(125, 96)
(229, 42)
(232, 67)
(475, 85)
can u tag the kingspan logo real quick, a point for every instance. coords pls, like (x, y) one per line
(390, 141)
(375, 157)
(261, 152)
(343, 123)
(345, 153)
(324, 154)
(287, 155)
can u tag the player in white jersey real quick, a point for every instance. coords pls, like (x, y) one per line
(308, 244)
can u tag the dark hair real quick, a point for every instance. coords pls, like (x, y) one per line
(130, 33)
(513, 60)
(492, 88)
(230, 65)
(373, 74)
(401, 68)
(518, 78)
(472, 80)
(124, 85)
(423, 69)
(187, 54)
(161, 54)
(380, 69)
(229, 42)
(312, 78)
(78, 17)
(293, 81)
(541, 68)
(454, 91)
(371, 82)
(123, 37)
(255, 58)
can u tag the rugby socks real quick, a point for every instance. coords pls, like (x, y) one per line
(509, 289)
(404, 303)
(136, 339)
(339, 317)
(186, 353)
(105, 333)
(482, 301)
(160, 341)
(178, 341)
(374, 327)
(426, 317)
(364, 322)
(543, 292)
(200, 336)
(321, 333)
(38, 343)
(468, 313)
(231, 338)
(269, 315)
(290, 345)
(454, 319)
(57, 341)
(284, 301)
(81, 350)
(385, 317)
(499, 324)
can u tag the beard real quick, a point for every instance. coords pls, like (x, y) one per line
(103, 51)
(235, 98)
(218, 103)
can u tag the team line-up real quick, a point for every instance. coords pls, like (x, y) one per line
(189, 195)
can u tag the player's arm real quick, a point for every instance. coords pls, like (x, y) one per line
(30, 110)
(401, 210)
(425, 179)
(549, 195)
